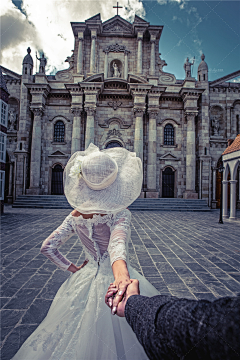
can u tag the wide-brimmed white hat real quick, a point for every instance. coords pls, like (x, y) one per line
(104, 182)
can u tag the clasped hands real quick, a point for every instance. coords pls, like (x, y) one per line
(118, 294)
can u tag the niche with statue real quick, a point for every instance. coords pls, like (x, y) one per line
(116, 68)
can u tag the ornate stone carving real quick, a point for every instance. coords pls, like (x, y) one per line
(117, 26)
(43, 63)
(114, 133)
(116, 72)
(66, 75)
(215, 122)
(11, 121)
(153, 114)
(187, 67)
(76, 111)
(161, 63)
(116, 48)
(115, 104)
(189, 114)
(90, 111)
(38, 112)
(138, 111)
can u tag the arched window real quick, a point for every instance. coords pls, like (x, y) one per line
(169, 135)
(113, 143)
(59, 131)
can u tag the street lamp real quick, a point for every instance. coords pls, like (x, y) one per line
(221, 169)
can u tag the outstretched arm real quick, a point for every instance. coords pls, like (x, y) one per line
(118, 255)
(172, 328)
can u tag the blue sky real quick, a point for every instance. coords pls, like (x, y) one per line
(190, 28)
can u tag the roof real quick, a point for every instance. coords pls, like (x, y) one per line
(2, 82)
(235, 146)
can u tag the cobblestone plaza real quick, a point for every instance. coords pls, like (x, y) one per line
(181, 253)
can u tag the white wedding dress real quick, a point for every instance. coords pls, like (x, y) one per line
(79, 325)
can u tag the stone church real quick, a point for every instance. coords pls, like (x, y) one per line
(116, 93)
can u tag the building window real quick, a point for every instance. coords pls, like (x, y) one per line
(2, 177)
(4, 113)
(59, 131)
(3, 138)
(169, 135)
(203, 76)
(199, 77)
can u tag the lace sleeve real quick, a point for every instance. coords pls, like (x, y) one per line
(58, 237)
(119, 236)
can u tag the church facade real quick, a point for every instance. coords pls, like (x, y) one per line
(116, 93)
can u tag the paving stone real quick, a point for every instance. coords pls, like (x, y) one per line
(181, 254)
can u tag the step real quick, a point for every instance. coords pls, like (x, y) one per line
(160, 204)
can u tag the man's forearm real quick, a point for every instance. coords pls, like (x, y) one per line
(171, 328)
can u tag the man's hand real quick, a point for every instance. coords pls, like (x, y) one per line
(132, 289)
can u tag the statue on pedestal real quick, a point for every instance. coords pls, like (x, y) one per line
(11, 120)
(215, 125)
(116, 72)
(187, 67)
(43, 63)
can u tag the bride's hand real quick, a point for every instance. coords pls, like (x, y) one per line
(73, 268)
(83, 264)
(121, 286)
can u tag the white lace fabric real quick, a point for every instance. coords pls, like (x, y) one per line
(102, 237)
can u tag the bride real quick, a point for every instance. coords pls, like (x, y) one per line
(99, 185)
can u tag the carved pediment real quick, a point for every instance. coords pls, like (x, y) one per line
(139, 20)
(168, 156)
(58, 153)
(117, 25)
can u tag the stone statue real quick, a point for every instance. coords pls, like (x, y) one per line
(43, 63)
(215, 125)
(116, 73)
(161, 63)
(11, 120)
(187, 67)
(70, 60)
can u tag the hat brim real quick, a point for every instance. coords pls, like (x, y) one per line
(118, 196)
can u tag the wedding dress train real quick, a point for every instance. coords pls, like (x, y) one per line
(79, 325)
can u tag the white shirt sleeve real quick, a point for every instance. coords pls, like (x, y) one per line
(58, 237)
(119, 236)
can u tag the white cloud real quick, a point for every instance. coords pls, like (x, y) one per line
(46, 27)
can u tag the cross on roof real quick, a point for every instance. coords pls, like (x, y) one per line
(117, 7)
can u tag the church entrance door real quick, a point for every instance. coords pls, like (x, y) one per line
(57, 180)
(168, 183)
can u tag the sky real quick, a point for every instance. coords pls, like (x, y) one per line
(190, 28)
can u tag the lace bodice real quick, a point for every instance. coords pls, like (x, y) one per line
(101, 236)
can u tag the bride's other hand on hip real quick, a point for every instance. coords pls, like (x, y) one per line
(73, 268)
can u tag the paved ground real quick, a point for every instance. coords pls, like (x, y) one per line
(181, 253)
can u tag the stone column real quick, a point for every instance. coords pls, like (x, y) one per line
(89, 136)
(139, 57)
(92, 60)
(10, 184)
(225, 198)
(126, 64)
(152, 156)
(214, 184)
(233, 196)
(24, 173)
(106, 65)
(228, 115)
(76, 130)
(35, 165)
(152, 60)
(138, 136)
(190, 157)
(200, 179)
(80, 53)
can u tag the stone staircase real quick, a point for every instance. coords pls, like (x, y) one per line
(160, 204)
